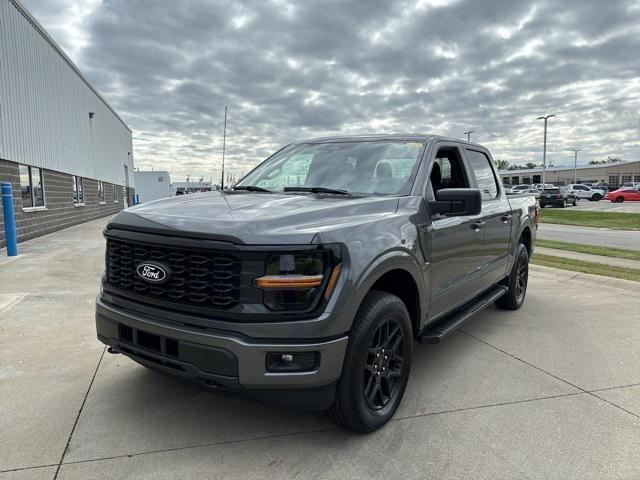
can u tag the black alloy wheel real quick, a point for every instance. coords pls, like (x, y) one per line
(522, 277)
(376, 366)
(384, 366)
(516, 282)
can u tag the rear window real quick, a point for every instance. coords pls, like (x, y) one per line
(551, 190)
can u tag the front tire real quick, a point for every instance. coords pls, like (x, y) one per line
(516, 281)
(376, 365)
(619, 199)
(575, 201)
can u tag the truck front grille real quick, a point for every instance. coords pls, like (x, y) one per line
(199, 278)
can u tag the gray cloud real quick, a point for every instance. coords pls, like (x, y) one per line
(290, 70)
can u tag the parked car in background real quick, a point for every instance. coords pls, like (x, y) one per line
(583, 191)
(557, 197)
(528, 191)
(519, 188)
(599, 186)
(624, 194)
(542, 186)
(635, 185)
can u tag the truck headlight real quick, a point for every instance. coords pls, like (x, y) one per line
(292, 281)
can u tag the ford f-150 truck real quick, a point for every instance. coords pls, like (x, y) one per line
(308, 282)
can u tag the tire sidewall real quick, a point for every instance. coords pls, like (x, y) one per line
(369, 323)
(520, 252)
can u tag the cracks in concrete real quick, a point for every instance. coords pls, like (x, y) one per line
(75, 423)
(582, 390)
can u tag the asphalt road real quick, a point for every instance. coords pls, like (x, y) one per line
(605, 237)
(549, 391)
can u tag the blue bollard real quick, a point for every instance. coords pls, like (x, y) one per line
(9, 220)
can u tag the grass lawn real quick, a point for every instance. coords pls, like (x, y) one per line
(586, 267)
(615, 220)
(592, 249)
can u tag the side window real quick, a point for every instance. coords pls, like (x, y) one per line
(31, 187)
(485, 178)
(78, 191)
(447, 171)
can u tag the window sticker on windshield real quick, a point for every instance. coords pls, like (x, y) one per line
(414, 144)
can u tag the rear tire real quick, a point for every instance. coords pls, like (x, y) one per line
(376, 366)
(575, 201)
(516, 281)
(596, 197)
(564, 203)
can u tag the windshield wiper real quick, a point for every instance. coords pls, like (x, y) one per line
(252, 188)
(316, 190)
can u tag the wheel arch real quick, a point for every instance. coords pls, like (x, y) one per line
(397, 273)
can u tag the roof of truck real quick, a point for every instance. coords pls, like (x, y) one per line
(409, 137)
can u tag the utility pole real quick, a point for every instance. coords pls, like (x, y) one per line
(575, 164)
(224, 143)
(544, 148)
(468, 134)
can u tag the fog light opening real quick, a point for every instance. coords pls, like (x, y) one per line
(292, 361)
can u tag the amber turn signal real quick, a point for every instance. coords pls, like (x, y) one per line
(333, 279)
(285, 282)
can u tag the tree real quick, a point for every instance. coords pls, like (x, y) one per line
(502, 164)
(610, 159)
(531, 165)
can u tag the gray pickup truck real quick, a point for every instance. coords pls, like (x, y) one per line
(309, 281)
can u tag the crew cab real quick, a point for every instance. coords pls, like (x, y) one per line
(309, 281)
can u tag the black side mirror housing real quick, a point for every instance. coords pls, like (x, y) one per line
(457, 202)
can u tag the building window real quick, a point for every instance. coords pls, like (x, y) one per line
(115, 193)
(636, 179)
(526, 180)
(101, 192)
(626, 179)
(31, 187)
(78, 190)
(614, 180)
(160, 179)
(515, 180)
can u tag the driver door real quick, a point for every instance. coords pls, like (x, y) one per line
(454, 244)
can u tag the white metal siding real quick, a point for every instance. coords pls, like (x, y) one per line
(150, 188)
(45, 105)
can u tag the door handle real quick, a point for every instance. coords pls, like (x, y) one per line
(506, 218)
(478, 225)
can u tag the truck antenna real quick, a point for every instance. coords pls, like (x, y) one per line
(224, 144)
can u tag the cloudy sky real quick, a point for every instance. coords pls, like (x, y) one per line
(295, 69)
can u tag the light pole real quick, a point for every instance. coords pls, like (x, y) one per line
(544, 150)
(468, 134)
(575, 164)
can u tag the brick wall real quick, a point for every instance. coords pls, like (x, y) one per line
(60, 211)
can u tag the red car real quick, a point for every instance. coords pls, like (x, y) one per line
(623, 194)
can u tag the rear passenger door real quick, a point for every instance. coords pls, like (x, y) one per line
(496, 215)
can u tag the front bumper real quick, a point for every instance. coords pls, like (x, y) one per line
(215, 358)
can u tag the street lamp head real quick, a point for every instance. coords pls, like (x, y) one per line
(545, 117)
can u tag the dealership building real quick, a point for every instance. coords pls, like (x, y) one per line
(66, 152)
(613, 174)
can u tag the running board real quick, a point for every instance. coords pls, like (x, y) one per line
(444, 328)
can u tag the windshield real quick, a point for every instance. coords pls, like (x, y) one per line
(384, 167)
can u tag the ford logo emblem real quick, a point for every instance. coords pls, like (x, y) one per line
(153, 272)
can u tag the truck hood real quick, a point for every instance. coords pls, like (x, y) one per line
(253, 218)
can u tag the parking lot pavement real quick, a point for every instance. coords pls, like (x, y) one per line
(549, 391)
(605, 237)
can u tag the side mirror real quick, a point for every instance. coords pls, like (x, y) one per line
(456, 202)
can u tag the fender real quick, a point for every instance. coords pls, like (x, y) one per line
(396, 259)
